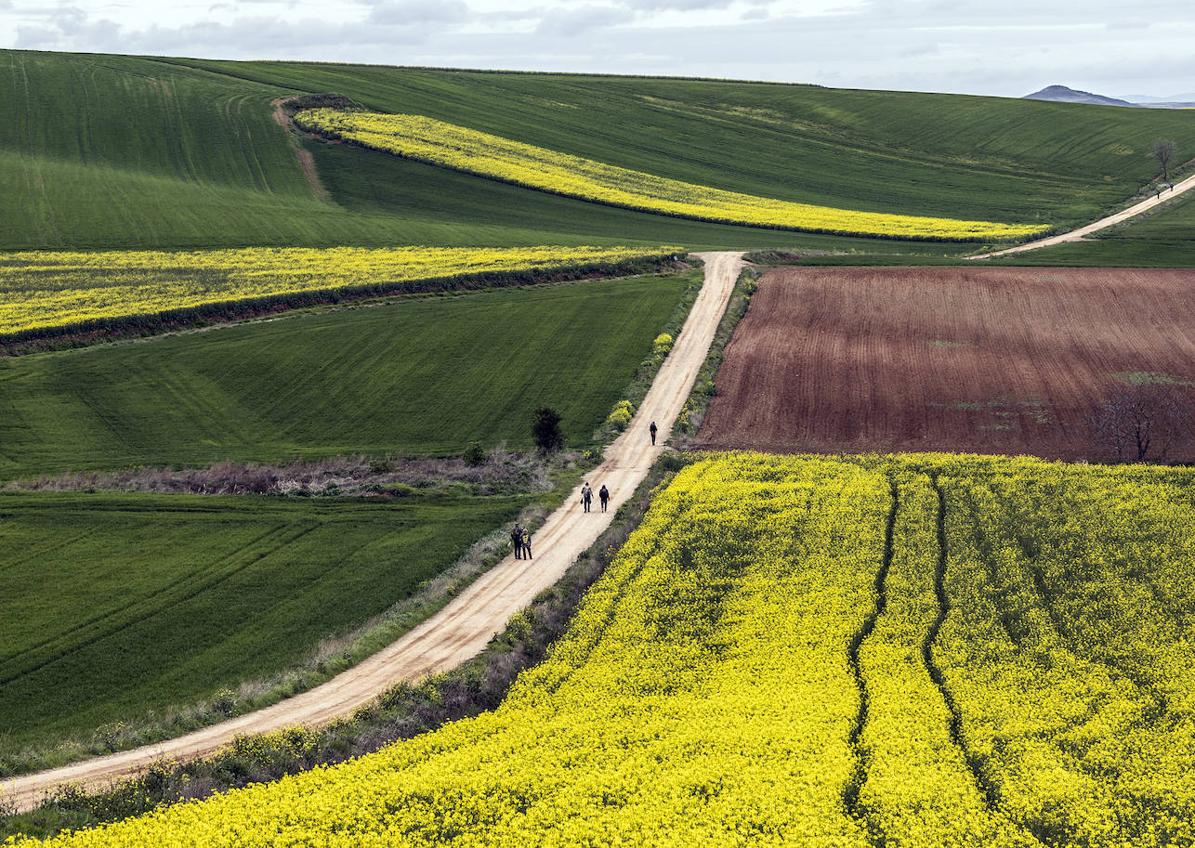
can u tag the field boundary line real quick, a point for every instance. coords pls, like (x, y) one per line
(464, 627)
(1095, 226)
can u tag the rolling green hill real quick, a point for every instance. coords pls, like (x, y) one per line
(413, 377)
(113, 607)
(127, 151)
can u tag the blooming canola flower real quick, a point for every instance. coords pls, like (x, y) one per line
(463, 149)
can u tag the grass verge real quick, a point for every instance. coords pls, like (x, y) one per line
(705, 387)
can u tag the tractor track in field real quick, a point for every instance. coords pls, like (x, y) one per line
(465, 626)
(989, 791)
(850, 795)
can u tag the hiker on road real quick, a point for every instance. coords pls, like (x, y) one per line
(586, 496)
(516, 539)
(604, 496)
(653, 430)
(526, 544)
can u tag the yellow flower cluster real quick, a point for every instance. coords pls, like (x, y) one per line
(464, 149)
(924, 650)
(44, 289)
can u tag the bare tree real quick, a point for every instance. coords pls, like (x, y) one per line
(1142, 423)
(1164, 152)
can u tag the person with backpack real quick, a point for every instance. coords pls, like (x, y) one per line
(527, 544)
(516, 539)
(653, 429)
(604, 496)
(586, 496)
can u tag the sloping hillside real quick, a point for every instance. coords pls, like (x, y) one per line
(127, 151)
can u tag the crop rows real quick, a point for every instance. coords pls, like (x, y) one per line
(926, 650)
(463, 149)
(44, 289)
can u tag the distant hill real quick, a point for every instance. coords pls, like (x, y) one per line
(1062, 94)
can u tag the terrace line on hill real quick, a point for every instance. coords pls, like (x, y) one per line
(465, 626)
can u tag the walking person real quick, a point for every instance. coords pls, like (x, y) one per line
(526, 544)
(604, 496)
(586, 496)
(653, 430)
(516, 539)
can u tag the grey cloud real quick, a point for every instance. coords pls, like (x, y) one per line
(265, 37)
(582, 19)
(417, 12)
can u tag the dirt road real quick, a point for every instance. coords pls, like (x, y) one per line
(464, 627)
(1102, 224)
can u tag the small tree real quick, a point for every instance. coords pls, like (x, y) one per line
(1164, 153)
(1140, 423)
(474, 455)
(545, 429)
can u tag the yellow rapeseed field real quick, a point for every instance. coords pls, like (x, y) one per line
(49, 289)
(464, 149)
(923, 650)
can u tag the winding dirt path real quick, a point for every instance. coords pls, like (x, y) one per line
(464, 627)
(1094, 227)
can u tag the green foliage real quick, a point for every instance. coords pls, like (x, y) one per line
(545, 430)
(474, 454)
(620, 416)
(662, 345)
(150, 602)
(416, 377)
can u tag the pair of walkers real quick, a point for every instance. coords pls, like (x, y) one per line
(587, 496)
(520, 538)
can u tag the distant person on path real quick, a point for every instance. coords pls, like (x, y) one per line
(526, 544)
(516, 539)
(586, 496)
(653, 428)
(604, 496)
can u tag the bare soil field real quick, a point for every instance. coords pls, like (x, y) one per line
(992, 360)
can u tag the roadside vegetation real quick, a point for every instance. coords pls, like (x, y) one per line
(705, 388)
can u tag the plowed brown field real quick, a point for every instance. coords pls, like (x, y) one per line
(993, 360)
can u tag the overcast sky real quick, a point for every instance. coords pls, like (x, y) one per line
(1004, 47)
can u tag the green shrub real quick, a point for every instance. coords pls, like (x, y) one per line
(474, 455)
